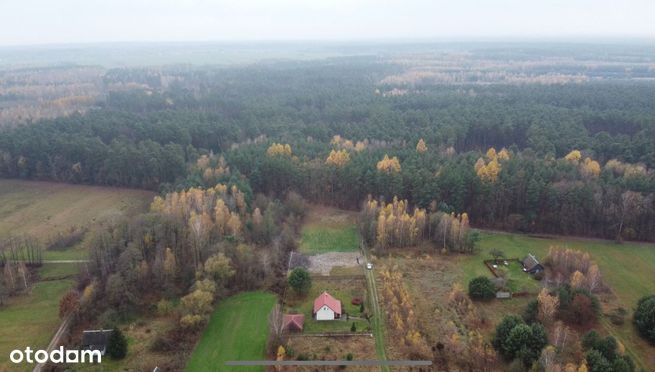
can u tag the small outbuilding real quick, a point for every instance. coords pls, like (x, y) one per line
(326, 307)
(531, 265)
(293, 322)
(96, 340)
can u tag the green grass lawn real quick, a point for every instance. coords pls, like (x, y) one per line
(627, 268)
(31, 319)
(317, 239)
(517, 279)
(329, 230)
(238, 330)
(343, 290)
(57, 270)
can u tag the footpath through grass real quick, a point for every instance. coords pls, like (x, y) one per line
(237, 330)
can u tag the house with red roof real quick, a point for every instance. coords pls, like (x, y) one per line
(293, 322)
(326, 307)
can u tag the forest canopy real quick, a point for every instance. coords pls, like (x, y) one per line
(535, 152)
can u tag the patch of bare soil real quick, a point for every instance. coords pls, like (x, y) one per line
(323, 263)
(329, 216)
(330, 348)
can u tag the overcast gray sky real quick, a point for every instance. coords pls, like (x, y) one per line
(73, 21)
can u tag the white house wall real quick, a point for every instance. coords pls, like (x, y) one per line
(325, 313)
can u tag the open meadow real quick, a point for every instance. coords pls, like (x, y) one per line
(44, 208)
(329, 230)
(237, 330)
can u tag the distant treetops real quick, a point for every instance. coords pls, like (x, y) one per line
(338, 158)
(421, 147)
(345, 144)
(278, 149)
(588, 167)
(389, 165)
(487, 168)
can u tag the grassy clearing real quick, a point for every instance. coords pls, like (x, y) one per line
(517, 279)
(31, 320)
(238, 330)
(50, 271)
(329, 230)
(45, 208)
(321, 239)
(341, 289)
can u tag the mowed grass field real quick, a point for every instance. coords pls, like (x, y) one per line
(329, 230)
(237, 330)
(628, 269)
(31, 320)
(46, 208)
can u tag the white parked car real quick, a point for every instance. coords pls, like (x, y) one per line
(369, 266)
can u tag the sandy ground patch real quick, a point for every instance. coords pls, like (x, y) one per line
(331, 348)
(323, 263)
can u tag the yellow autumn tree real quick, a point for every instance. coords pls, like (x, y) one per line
(491, 153)
(574, 156)
(489, 172)
(338, 158)
(421, 147)
(590, 167)
(278, 149)
(281, 353)
(360, 146)
(234, 224)
(548, 306)
(578, 280)
(503, 154)
(389, 165)
(479, 164)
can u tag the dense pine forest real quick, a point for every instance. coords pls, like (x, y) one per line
(565, 146)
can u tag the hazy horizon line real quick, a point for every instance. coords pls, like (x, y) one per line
(562, 39)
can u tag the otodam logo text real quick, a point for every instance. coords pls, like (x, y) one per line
(60, 355)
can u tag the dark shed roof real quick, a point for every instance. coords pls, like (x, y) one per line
(96, 339)
(530, 262)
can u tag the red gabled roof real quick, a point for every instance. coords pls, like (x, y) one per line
(293, 322)
(326, 299)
